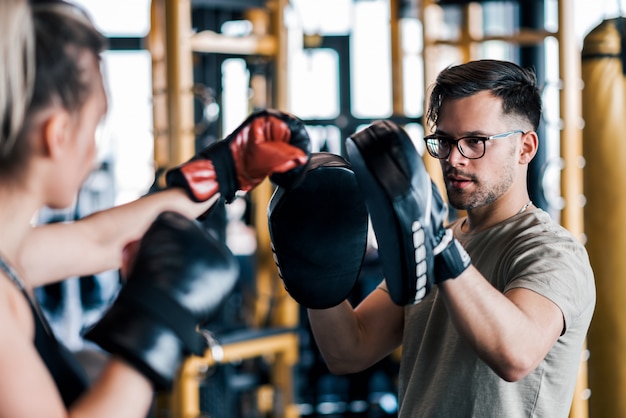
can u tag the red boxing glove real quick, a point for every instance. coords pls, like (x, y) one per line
(268, 142)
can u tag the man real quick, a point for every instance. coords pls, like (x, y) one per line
(500, 336)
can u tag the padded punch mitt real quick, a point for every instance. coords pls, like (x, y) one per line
(319, 231)
(398, 193)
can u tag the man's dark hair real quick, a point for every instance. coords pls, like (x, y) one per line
(516, 86)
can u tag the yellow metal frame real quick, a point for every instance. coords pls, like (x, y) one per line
(572, 215)
(172, 81)
(281, 352)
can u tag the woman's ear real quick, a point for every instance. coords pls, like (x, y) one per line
(56, 133)
(530, 143)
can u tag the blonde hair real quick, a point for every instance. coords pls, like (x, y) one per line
(17, 69)
(40, 49)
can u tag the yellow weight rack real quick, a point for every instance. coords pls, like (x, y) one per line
(172, 44)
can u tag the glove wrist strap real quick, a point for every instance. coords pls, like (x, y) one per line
(451, 259)
(224, 164)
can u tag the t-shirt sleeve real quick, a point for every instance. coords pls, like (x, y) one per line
(556, 267)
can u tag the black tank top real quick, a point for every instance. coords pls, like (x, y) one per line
(69, 376)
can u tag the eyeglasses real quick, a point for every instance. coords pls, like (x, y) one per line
(471, 147)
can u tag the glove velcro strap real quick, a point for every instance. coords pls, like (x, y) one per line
(166, 311)
(451, 259)
(224, 164)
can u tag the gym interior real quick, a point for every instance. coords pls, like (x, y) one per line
(182, 74)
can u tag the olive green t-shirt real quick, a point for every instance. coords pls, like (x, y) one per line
(441, 376)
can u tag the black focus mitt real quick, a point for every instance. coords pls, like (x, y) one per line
(398, 194)
(319, 231)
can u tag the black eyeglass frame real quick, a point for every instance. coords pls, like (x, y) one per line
(433, 142)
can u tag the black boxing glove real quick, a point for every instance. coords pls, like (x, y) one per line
(451, 259)
(179, 278)
(318, 231)
(406, 210)
(268, 142)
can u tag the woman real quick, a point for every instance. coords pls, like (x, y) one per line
(51, 100)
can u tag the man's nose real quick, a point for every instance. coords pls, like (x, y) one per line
(455, 157)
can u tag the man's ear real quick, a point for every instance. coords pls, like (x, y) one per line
(530, 143)
(56, 133)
